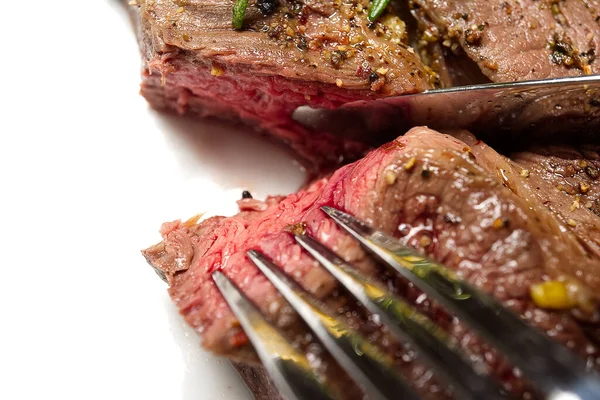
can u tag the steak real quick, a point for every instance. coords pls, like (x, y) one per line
(517, 40)
(303, 53)
(324, 54)
(504, 224)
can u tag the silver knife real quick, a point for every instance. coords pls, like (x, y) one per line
(540, 108)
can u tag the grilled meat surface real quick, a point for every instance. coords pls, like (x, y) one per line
(503, 224)
(308, 53)
(324, 54)
(517, 40)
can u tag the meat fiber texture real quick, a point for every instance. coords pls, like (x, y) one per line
(302, 54)
(452, 197)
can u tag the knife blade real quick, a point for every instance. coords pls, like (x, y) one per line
(538, 108)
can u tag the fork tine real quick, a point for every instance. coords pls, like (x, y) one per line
(371, 369)
(288, 368)
(408, 324)
(556, 371)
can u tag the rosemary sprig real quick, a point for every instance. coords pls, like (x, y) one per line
(377, 7)
(239, 10)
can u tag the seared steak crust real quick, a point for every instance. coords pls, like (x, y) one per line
(457, 200)
(325, 54)
(307, 53)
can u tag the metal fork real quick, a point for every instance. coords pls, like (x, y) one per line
(554, 370)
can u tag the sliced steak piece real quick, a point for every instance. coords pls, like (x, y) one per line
(435, 192)
(519, 40)
(314, 52)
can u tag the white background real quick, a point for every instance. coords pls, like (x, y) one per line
(87, 174)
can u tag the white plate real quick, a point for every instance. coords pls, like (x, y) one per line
(87, 175)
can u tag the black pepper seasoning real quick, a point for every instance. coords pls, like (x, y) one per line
(594, 102)
(592, 172)
(246, 195)
(336, 58)
(302, 45)
(267, 7)
(373, 76)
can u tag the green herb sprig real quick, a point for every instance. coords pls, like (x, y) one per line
(377, 7)
(239, 10)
